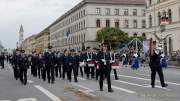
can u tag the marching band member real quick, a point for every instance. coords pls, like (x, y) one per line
(113, 63)
(104, 67)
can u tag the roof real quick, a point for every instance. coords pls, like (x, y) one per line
(129, 2)
(83, 2)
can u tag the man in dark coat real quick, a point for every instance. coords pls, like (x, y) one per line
(155, 66)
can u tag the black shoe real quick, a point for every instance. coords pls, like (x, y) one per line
(116, 78)
(153, 86)
(165, 85)
(101, 89)
(110, 90)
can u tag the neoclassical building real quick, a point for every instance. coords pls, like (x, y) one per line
(157, 12)
(42, 41)
(78, 26)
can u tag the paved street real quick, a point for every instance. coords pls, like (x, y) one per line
(131, 86)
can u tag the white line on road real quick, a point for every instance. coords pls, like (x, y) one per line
(81, 86)
(148, 79)
(122, 89)
(143, 74)
(5, 100)
(145, 85)
(30, 81)
(47, 93)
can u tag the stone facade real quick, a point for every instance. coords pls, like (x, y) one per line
(156, 9)
(82, 22)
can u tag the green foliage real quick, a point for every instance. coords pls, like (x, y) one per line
(113, 36)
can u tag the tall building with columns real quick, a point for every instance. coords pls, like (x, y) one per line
(157, 12)
(78, 27)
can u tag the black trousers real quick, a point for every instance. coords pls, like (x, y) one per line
(64, 70)
(115, 74)
(39, 71)
(16, 72)
(23, 76)
(2, 63)
(81, 71)
(58, 70)
(70, 69)
(34, 70)
(90, 70)
(153, 76)
(43, 73)
(50, 74)
(105, 72)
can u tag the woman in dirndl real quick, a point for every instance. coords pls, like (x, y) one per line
(163, 61)
(135, 62)
(125, 60)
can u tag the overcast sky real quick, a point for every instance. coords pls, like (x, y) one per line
(34, 15)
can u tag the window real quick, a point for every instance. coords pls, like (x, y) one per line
(126, 12)
(134, 12)
(150, 21)
(98, 11)
(135, 23)
(117, 23)
(98, 23)
(116, 11)
(84, 24)
(126, 23)
(143, 23)
(144, 35)
(179, 13)
(150, 2)
(135, 34)
(143, 12)
(158, 1)
(107, 23)
(84, 12)
(170, 16)
(84, 37)
(107, 11)
(159, 18)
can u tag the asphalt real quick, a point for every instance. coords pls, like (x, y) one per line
(133, 85)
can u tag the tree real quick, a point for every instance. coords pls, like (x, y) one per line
(113, 36)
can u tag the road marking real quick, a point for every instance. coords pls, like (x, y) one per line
(30, 81)
(5, 100)
(10, 68)
(129, 83)
(148, 79)
(149, 86)
(122, 89)
(88, 91)
(27, 99)
(81, 78)
(47, 93)
(143, 75)
(145, 85)
(81, 86)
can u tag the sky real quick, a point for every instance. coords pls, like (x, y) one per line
(34, 15)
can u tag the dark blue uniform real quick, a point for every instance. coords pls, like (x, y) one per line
(23, 66)
(104, 69)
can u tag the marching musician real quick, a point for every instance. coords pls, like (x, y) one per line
(104, 67)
